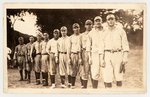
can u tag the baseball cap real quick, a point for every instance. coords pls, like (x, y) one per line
(45, 34)
(76, 25)
(56, 30)
(63, 28)
(97, 18)
(110, 16)
(20, 38)
(88, 22)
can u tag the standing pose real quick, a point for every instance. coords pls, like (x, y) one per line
(75, 53)
(52, 50)
(36, 47)
(63, 45)
(116, 50)
(29, 64)
(85, 67)
(19, 56)
(44, 59)
(95, 50)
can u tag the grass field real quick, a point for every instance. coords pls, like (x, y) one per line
(133, 78)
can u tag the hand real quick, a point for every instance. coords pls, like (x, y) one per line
(80, 61)
(56, 59)
(69, 61)
(90, 61)
(102, 63)
(124, 61)
(32, 60)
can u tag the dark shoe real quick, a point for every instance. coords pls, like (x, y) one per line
(95, 84)
(21, 79)
(45, 84)
(37, 82)
(28, 81)
(119, 83)
(108, 85)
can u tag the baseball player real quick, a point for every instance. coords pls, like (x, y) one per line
(52, 50)
(45, 59)
(75, 53)
(95, 50)
(85, 67)
(116, 50)
(19, 56)
(29, 64)
(63, 45)
(36, 46)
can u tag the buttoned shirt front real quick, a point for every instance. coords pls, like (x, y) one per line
(20, 50)
(28, 46)
(115, 39)
(52, 46)
(84, 38)
(75, 43)
(63, 44)
(95, 41)
(43, 47)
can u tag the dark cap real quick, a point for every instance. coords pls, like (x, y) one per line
(76, 25)
(20, 38)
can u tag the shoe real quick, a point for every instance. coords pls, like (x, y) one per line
(69, 85)
(82, 87)
(21, 79)
(72, 87)
(28, 81)
(63, 86)
(45, 83)
(37, 82)
(53, 86)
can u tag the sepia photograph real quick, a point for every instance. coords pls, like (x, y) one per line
(74, 48)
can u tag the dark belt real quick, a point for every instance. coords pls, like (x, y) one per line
(112, 51)
(63, 52)
(74, 52)
(38, 54)
(45, 54)
(21, 55)
(52, 53)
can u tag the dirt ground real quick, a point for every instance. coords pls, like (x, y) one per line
(133, 78)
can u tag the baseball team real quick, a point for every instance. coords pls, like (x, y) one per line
(101, 50)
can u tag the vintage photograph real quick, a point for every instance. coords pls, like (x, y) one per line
(74, 48)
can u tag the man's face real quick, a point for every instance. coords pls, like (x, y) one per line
(46, 37)
(111, 22)
(64, 32)
(88, 27)
(56, 35)
(39, 38)
(76, 30)
(20, 41)
(98, 23)
(31, 39)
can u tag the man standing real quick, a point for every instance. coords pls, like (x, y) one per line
(45, 59)
(75, 53)
(85, 67)
(19, 56)
(116, 50)
(29, 64)
(95, 50)
(52, 50)
(37, 59)
(63, 45)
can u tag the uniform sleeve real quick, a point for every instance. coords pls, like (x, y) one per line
(79, 43)
(88, 43)
(32, 48)
(125, 44)
(101, 44)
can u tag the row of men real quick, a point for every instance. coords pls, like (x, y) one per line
(85, 53)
